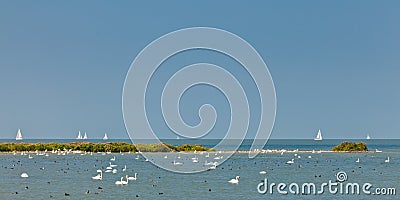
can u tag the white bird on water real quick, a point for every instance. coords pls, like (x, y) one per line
(24, 175)
(358, 160)
(119, 182)
(111, 165)
(112, 159)
(99, 176)
(214, 166)
(132, 178)
(124, 169)
(235, 180)
(387, 160)
(125, 182)
(177, 163)
(263, 172)
(290, 161)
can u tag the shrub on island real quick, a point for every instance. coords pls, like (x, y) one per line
(98, 147)
(351, 147)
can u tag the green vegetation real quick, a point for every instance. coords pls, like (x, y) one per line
(98, 147)
(351, 147)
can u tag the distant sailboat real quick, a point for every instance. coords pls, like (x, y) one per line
(319, 135)
(19, 135)
(79, 136)
(105, 136)
(85, 136)
(368, 137)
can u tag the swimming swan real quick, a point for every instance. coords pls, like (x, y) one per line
(235, 180)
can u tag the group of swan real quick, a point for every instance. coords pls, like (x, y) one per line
(386, 160)
(123, 182)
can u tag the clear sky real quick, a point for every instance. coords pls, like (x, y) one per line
(335, 64)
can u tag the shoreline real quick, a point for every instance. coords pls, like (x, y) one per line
(266, 151)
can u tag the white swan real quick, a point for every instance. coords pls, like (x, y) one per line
(114, 171)
(124, 169)
(24, 175)
(218, 158)
(165, 156)
(29, 156)
(263, 172)
(378, 151)
(98, 176)
(119, 182)
(137, 158)
(177, 163)
(112, 159)
(210, 163)
(387, 160)
(111, 165)
(213, 167)
(358, 160)
(132, 178)
(290, 161)
(125, 182)
(235, 180)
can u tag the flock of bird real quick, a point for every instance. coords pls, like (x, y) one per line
(111, 168)
(124, 180)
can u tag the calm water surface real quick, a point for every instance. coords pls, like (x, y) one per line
(53, 176)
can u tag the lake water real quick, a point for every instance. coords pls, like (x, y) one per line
(53, 176)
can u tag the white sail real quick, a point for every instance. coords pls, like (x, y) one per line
(368, 137)
(105, 136)
(85, 136)
(79, 136)
(319, 135)
(19, 135)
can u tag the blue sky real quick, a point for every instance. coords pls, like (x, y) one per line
(335, 65)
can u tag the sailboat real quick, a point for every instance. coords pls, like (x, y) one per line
(105, 136)
(319, 135)
(84, 136)
(368, 137)
(79, 136)
(19, 135)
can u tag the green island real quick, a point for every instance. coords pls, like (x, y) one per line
(99, 147)
(351, 147)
